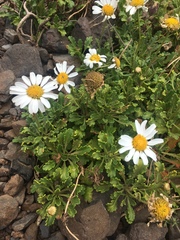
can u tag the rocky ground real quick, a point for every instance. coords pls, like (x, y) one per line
(18, 217)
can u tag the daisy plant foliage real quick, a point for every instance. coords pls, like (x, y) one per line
(118, 132)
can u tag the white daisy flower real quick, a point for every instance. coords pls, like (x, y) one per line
(116, 63)
(63, 74)
(92, 57)
(106, 8)
(140, 145)
(33, 91)
(133, 5)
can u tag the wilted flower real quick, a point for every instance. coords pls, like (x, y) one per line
(133, 5)
(116, 63)
(51, 210)
(170, 22)
(33, 91)
(106, 8)
(93, 81)
(92, 57)
(140, 145)
(63, 74)
(160, 209)
(138, 69)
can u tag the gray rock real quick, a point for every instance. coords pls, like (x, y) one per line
(20, 196)
(121, 237)
(7, 79)
(143, 232)
(44, 55)
(56, 236)
(8, 210)
(4, 172)
(3, 143)
(31, 232)
(44, 230)
(17, 125)
(22, 59)
(9, 135)
(53, 42)
(24, 222)
(11, 35)
(18, 167)
(6, 123)
(93, 223)
(14, 185)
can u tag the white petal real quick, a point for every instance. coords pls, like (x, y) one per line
(59, 68)
(130, 155)
(38, 79)
(151, 135)
(60, 87)
(149, 130)
(125, 140)
(22, 85)
(17, 90)
(32, 78)
(68, 90)
(33, 106)
(50, 95)
(71, 83)
(124, 149)
(128, 8)
(96, 10)
(136, 157)
(138, 127)
(144, 158)
(45, 102)
(132, 11)
(70, 69)
(41, 106)
(150, 154)
(74, 74)
(64, 66)
(26, 80)
(155, 141)
(143, 126)
(45, 80)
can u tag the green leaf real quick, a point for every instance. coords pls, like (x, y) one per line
(130, 214)
(49, 165)
(88, 194)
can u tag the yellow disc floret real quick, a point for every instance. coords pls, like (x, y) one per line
(139, 142)
(172, 22)
(136, 3)
(62, 78)
(108, 10)
(117, 62)
(35, 91)
(161, 209)
(95, 57)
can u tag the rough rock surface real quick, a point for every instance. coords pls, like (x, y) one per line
(8, 210)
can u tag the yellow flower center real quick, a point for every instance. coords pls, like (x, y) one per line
(95, 57)
(172, 23)
(136, 3)
(35, 91)
(62, 78)
(108, 10)
(139, 142)
(117, 62)
(161, 210)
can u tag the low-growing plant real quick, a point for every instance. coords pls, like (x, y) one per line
(76, 141)
(42, 15)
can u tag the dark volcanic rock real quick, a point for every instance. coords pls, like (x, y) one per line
(22, 59)
(8, 210)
